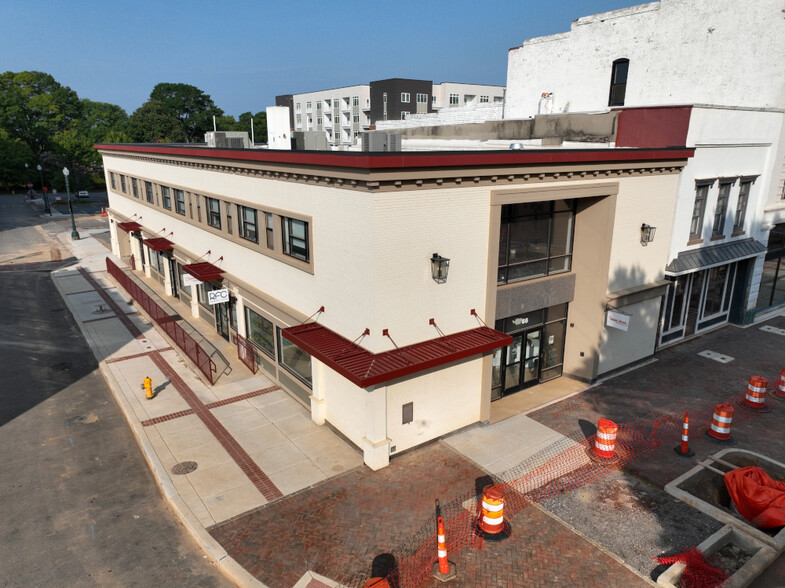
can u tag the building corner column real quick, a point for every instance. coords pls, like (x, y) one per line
(375, 444)
(168, 279)
(318, 401)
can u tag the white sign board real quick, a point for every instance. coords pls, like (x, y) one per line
(189, 280)
(617, 320)
(218, 296)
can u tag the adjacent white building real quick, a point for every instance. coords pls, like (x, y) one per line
(723, 60)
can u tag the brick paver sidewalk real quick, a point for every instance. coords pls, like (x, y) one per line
(339, 526)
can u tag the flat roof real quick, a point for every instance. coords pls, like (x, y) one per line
(408, 159)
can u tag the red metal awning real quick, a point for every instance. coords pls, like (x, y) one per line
(365, 369)
(158, 244)
(130, 226)
(204, 271)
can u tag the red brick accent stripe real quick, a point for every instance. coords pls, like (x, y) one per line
(104, 318)
(167, 417)
(224, 402)
(119, 313)
(90, 291)
(136, 355)
(269, 490)
(234, 399)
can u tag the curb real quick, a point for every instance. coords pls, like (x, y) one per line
(233, 570)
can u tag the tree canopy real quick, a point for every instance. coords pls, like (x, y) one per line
(190, 105)
(45, 123)
(152, 123)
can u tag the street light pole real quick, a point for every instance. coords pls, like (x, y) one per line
(43, 189)
(74, 233)
(28, 185)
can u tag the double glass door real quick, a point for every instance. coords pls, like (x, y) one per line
(518, 366)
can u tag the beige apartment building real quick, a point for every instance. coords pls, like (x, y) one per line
(399, 295)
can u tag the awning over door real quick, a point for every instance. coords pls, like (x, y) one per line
(130, 226)
(706, 257)
(158, 244)
(365, 369)
(204, 271)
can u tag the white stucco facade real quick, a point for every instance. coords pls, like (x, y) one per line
(719, 52)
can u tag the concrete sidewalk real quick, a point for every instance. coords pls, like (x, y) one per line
(217, 451)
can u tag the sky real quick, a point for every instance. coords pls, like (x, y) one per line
(243, 53)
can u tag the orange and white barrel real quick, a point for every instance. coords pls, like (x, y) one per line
(492, 510)
(756, 392)
(721, 422)
(605, 440)
(781, 388)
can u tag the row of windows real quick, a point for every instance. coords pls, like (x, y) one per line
(702, 193)
(327, 103)
(294, 235)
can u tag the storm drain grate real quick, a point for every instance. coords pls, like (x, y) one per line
(184, 467)
(722, 358)
(770, 329)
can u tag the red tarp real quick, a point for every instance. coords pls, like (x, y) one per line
(757, 497)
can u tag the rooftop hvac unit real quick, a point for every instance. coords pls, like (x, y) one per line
(227, 139)
(380, 141)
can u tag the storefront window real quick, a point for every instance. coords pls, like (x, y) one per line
(714, 293)
(294, 359)
(772, 281)
(260, 332)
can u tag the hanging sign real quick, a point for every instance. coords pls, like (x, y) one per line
(218, 296)
(189, 280)
(617, 320)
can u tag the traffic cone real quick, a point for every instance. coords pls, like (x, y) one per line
(684, 449)
(443, 570)
(491, 524)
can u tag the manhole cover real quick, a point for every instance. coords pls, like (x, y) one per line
(184, 467)
(83, 418)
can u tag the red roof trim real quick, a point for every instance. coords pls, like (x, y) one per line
(130, 226)
(204, 271)
(371, 161)
(158, 244)
(365, 369)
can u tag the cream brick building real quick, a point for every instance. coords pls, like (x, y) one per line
(329, 259)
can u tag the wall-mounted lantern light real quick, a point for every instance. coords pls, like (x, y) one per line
(439, 268)
(647, 234)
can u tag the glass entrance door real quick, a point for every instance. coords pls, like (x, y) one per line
(512, 367)
(531, 358)
(222, 320)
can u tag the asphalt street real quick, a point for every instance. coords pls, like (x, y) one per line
(80, 506)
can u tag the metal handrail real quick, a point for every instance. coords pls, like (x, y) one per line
(183, 340)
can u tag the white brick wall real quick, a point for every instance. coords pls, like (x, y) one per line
(680, 51)
(447, 116)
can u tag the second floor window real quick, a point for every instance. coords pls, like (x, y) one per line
(135, 187)
(718, 227)
(422, 98)
(122, 183)
(696, 224)
(268, 227)
(405, 97)
(148, 192)
(741, 206)
(213, 207)
(248, 223)
(453, 99)
(535, 240)
(295, 238)
(166, 198)
(112, 180)
(179, 202)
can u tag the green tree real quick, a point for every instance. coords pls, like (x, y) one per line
(34, 107)
(190, 105)
(116, 136)
(74, 150)
(152, 123)
(259, 125)
(101, 118)
(14, 154)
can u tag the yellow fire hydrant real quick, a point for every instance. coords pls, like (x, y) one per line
(148, 388)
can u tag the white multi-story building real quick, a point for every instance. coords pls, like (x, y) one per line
(725, 59)
(342, 113)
